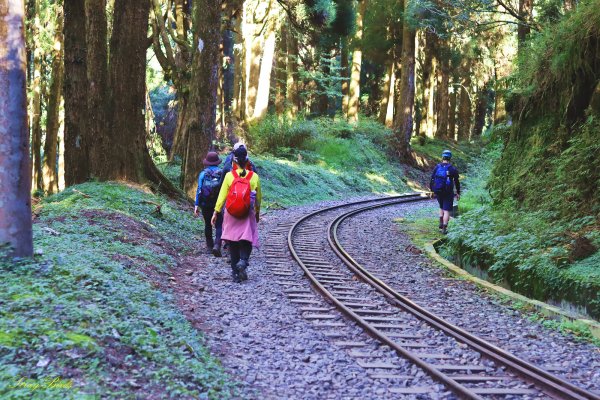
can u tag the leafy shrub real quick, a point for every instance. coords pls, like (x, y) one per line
(272, 133)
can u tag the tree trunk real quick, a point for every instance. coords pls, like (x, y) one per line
(280, 73)
(15, 167)
(443, 79)
(129, 157)
(345, 75)
(199, 124)
(292, 94)
(354, 90)
(403, 121)
(238, 80)
(36, 102)
(99, 130)
(36, 120)
(464, 107)
(75, 95)
(526, 12)
(264, 80)
(452, 113)
(53, 116)
(480, 111)
(388, 85)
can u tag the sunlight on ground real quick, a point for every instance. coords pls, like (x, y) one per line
(377, 178)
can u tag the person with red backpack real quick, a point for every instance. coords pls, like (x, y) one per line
(239, 204)
(209, 185)
(443, 179)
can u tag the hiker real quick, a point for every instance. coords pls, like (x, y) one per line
(239, 204)
(209, 184)
(443, 179)
(229, 160)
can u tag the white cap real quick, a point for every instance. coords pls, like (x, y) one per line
(238, 145)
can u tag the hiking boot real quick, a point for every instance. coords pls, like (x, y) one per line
(445, 229)
(241, 267)
(216, 250)
(235, 274)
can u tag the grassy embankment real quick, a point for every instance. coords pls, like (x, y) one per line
(95, 308)
(307, 161)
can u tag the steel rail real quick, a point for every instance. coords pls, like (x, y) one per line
(549, 383)
(457, 388)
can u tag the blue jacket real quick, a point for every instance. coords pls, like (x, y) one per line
(201, 179)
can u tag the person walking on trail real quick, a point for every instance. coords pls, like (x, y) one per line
(209, 185)
(229, 160)
(443, 180)
(239, 204)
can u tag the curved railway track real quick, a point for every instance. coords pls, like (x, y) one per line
(396, 321)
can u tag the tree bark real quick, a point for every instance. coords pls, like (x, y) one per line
(280, 73)
(388, 84)
(452, 113)
(443, 80)
(345, 75)
(264, 79)
(36, 102)
(403, 121)
(292, 94)
(199, 124)
(464, 107)
(76, 141)
(480, 111)
(525, 12)
(354, 90)
(15, 167)
(53, 116)
(102, 143)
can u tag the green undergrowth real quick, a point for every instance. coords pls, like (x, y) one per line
(547, 251)
(539, 231)
(94, 309)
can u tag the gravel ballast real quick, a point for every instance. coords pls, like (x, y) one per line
(262, 332)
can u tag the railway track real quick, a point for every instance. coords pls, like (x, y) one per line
(414, 333)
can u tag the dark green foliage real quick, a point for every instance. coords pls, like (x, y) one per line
(87, 307)
(344, 23)
(560, 68)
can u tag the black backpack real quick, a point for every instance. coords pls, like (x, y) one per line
(211, 185)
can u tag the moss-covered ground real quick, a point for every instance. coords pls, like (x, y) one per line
(94, 311)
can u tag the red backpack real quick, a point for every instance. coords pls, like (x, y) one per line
(238, 198)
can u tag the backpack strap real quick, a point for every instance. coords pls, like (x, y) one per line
(249, 176)
(234, 173)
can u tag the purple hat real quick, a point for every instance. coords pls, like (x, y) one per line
(212, 158)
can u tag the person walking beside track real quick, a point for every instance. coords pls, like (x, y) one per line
(209, 185)
(239, 204)
(443, 180)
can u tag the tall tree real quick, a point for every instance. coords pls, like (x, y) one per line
(77, 140)
(112, 102)
(354, 88)
(50, 168)
(403, 121)
(200, 121)
(100, 133)
(15, 170)
(442, 100)
(525, 14)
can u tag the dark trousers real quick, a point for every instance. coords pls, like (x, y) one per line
(207, 213)
(239, 251)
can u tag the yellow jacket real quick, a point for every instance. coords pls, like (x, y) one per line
(254, 185)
